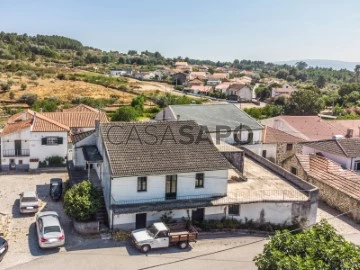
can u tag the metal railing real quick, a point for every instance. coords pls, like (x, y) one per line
(165, 199)
(16, 152)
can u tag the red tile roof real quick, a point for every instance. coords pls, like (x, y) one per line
(272, 136)
(81, 108)
(79, 119)
(332, 174)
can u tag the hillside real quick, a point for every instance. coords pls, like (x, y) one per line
(323, 63)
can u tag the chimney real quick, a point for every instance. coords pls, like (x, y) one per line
(349, 133)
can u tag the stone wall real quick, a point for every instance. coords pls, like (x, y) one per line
(282, 153)
(294, 162)
(337, 199)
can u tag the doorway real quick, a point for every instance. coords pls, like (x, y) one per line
(198, 215)
(140, 221)
(17, 147)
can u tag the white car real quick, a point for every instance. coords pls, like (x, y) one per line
(49, 231)
(29, 202)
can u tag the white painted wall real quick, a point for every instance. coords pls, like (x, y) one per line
(343, 161)
(125, 188)
(258, 149)
(276, 213)
(257, 137)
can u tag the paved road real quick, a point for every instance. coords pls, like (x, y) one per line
(205, 254)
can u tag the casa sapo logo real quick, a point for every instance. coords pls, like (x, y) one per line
(151, 134)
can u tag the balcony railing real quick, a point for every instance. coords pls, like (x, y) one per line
(16, 152)
(165, 199)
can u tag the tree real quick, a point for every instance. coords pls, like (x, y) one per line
(138, 103)
(82, 201)
(301, 65)
(29, 99)
(321, 81)
(132, 52)
(122, 60)
(126, 114)
(319, 247)
(23, 86)
(305, 102)
(357, 72)
(282, 74)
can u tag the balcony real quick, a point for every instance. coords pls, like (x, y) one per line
(16, 152)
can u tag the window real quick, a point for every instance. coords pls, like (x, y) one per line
(234, 209)
(51, 140)
(293, 170)
(199, 180)
(162, 234)
(357, 166)
(289, 147)
(20, 162)
(264, 153)
(142, 184)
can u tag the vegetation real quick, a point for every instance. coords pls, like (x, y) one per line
(317, 248)
(82, 201)
(126, 114)
(265, 112)
(55, 161)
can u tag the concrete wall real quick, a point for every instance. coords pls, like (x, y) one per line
(259, 148)
(236, 159)
(310, 207)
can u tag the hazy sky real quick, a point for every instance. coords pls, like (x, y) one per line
(204, 29)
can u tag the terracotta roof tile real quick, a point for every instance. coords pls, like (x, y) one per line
(77, 119)
(81, 108)
(272, 136)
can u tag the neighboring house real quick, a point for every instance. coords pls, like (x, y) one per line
(219, 76)
(149, 170)
(345, 152)
(195, 82)
(214, 117)
(243, 80)
(351, 126)
(213, 81)
(285, 91)
(241, 92)
(201, 89)
(116, 72)
(203, 68)
(29, 138)
(199, 75)
(179, 78)
(338, 186)
(222, 87)
(277, 145)
(181, 65)
(144, 75)
(308, 128)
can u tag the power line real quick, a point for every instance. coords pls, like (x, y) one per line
(239, 246)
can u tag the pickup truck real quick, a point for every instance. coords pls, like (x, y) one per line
(160, 235)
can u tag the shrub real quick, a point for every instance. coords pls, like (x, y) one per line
(82, 201)
(55, 161)
(29, 99)
(126, 114)
(61, 76)
(5, 86)
(23, 86)
(33, 77)
(11, 95)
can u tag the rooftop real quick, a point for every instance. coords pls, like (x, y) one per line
(77, 119)
(146, 148)
(213, 115)
(272, 136)
(343, 147)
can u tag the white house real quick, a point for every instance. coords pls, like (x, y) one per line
(241, 91)
(30, 137)
(223, 121)
(171, 168)
(122, 72)
(343, 151)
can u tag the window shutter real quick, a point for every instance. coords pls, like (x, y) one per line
(60, 140)
(43, 141)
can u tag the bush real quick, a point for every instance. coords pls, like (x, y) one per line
(11, 95)
(5, 86)
(33, 77)
(46, 105)
(126, 114)
(55, 161)
(82, 201)
(61, 76)
(23, 86)
(29, 99)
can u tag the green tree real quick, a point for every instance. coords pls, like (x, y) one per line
(357, 72)
(319, 247)
(301, 65)
(132, 52)
(282, 74)
(82, 201)
(126, 114)
(321, 81)
(138, 103)
(305, 102)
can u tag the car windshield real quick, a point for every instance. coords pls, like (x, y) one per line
(55, 188)
(152, 230)
(28, 199)
(51, 229)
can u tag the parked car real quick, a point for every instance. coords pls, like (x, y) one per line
(3, 248)
(160, 235)
(29, 202)
(49, 231)
(56, 188)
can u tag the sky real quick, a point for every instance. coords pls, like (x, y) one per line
(225, 30)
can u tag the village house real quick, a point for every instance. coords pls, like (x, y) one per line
(345, 152)
(121, 72)
(276, 145)
(200, 89)
(338, 186)
(144, 75)
(284, 91)
(30, 137)
(179, 78)
(219, 76)
(308, 128)
(199, 75)
(195, 82)
(213, 117)
(240, 92)
(222, 87)
(157, 172)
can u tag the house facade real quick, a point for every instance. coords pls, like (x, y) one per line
(239, 92)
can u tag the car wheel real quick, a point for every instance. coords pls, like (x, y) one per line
(183, 245)
(145, 248)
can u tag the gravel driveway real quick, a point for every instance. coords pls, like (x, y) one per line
(21, 232)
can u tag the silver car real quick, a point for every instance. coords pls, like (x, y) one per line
(29, 202)
(49, 231)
